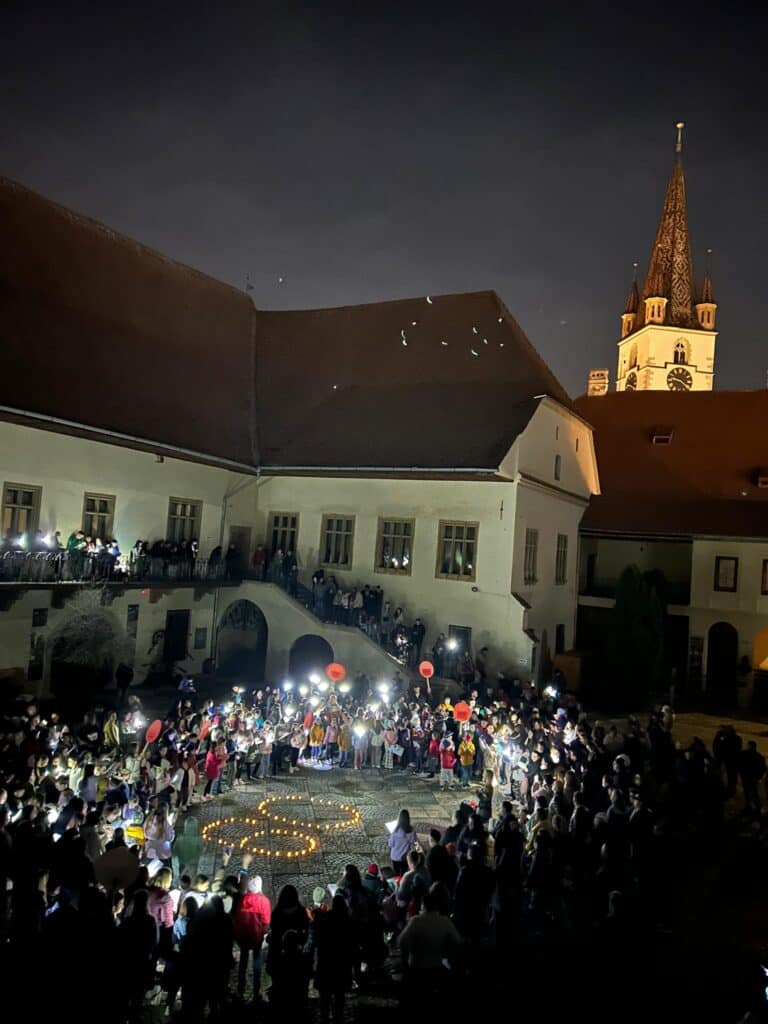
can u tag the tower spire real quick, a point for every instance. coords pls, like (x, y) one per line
(670, 268)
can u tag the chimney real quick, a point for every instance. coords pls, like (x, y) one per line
(597, 383)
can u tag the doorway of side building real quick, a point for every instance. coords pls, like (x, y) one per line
(240, 537)
(176, 639)
(241, 651)
(309, 654)
(722, 660)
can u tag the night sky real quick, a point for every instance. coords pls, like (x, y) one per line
(408, 150)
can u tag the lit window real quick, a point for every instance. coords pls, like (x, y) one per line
(336, 537)
(21, 508)
(456, 550)
(726, 574)
(184, 519)
(394, 546)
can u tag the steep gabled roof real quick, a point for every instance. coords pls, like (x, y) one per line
(447, 381)
(701, 482)
(99, 331)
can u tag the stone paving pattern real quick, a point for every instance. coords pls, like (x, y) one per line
(377, 794)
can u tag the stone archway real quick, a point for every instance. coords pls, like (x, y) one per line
(241, 651)
(760, 651)
(309, 653)
(722, 660)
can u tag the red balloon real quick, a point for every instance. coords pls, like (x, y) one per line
(336, 672)
(426, 669)
(153, 731)
(462, 712)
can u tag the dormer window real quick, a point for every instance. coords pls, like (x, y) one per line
(662, 435)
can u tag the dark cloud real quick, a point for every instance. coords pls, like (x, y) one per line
(407, 150)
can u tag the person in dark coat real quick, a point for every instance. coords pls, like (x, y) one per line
(474, 889)
(335, 946)
(752, 770)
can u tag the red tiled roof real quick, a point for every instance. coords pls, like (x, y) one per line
(704, 482)
(98, 330)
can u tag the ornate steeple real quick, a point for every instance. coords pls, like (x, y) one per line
(631, 307)
(670, 269)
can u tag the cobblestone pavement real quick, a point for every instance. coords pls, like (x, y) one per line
(377, 794)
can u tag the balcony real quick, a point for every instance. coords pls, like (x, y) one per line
(44, 569)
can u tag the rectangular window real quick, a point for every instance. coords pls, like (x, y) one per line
(184, 519)
(726, 574)
(394, 546)
(531, 556)
(456, 550)
(98, 515)
(201, 638)
(561, 559)
(764, 583)
(336, 537)
(558, 464)
(39, 618)
(21, 508)
(283, 530)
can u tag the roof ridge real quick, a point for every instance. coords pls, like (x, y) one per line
(103, 229)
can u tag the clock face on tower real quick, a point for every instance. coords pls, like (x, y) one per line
(679, 379)
(631, 382)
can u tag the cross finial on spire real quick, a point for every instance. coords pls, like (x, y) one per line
(679, 147)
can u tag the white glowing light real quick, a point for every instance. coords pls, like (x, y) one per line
(550, 691)
(383, 687)
(303, 689)
(374, 705)
(474, 329)
(323, 687)
(473, 352)
(344, 687)
(288, 685)
(289, 711)
(315, 678)
(359, 730)
(452, 644)
(413, 323)
(429, 300)
(314, 701)
(501, 320)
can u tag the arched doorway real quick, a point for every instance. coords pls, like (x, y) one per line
(760, 651)
(242, 645)
(722, 659)
(308, 654)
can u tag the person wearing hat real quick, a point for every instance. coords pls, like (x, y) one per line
(374, 883)
(251, 922)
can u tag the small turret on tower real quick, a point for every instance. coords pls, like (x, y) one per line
(631, 306)
(706, 307)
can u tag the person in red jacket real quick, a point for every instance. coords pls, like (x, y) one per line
(251, 922)
(447, 763)
(215, 760)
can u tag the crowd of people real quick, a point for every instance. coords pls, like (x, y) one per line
(562, 831)
(84, 557)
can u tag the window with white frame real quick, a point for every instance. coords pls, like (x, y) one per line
(21, 508)
(561, 559)
(531, 555)
(284, 529)
(394, 546)
(98, 515)
(336, 538)
(726, 574)
(184, 516)
(456, 550)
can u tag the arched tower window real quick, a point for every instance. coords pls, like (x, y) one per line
(632, 355)
(681, 353)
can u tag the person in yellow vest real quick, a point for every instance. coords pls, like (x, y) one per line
(466, 759)
(316, 738)
(345, 744)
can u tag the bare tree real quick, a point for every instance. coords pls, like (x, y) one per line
(88, 633)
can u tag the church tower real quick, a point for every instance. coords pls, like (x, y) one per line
(667, 336)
